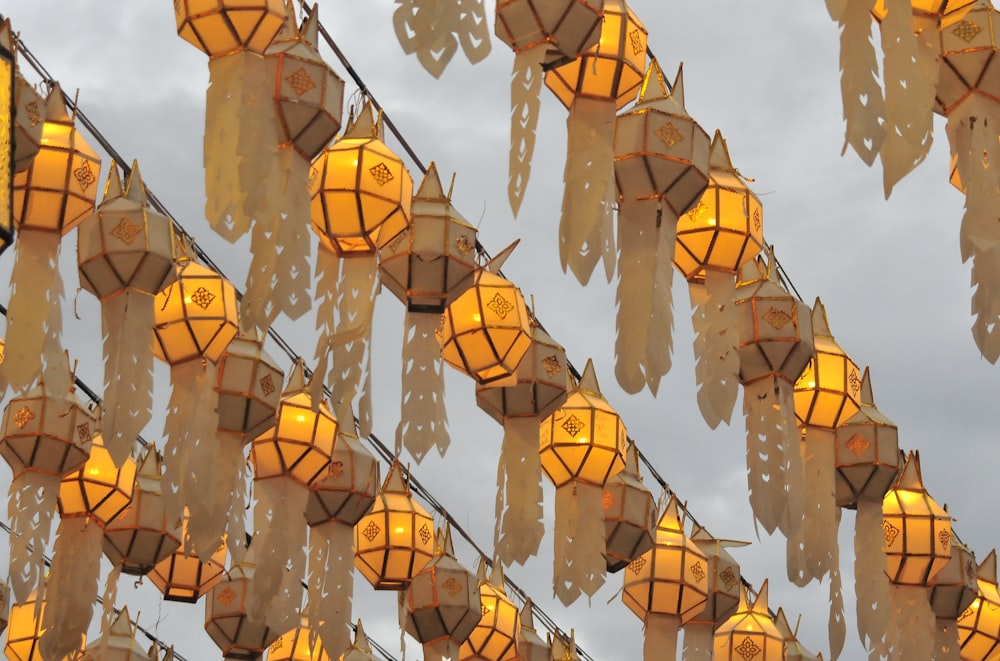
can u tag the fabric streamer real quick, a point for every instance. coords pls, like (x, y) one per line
(108, 616)
(812, 549)
(519, 526)
(871, 585)
(579, 536)
(31, 504)
(698, 642)
(864, 105)
(912, 629)
(836, 626)
(638, 228)
(334, 576)
(717, 363)
(525, 89)
(423, 420)
(660, 637)
(435, 29)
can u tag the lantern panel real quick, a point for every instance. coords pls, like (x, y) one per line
(221, 27)
(185, 578)
(946, 12)
(584, 440)
(99, 489)
(495, 637)
(979, 624)
(570, 26)
(827, 392)
(249, 388)
(348, 490)
(44, 434)
(139, 537)
(968, 50)
(296, 645)
(299, 445)
(917, 536)
(24, 630)
(629, 519)
(443, 602)
(955, 587)
(866, 454)
(226, 618)
(775, 332)
(196, 317)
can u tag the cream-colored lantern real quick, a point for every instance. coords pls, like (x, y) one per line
(603, 79)
(186, 577)
(530, 646)
(28, 108)
(496, 636)
(750, 633)
(8, 108)
(226, 613)
(298, 644)
(794, 650)
(953, 590)
(582, 446)
(668, 585)
(979, 623)
(629, 514)
(361, 649)
(120, 643)
(722, 597)
(395, 540)
(249, 388)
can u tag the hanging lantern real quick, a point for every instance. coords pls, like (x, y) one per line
(750, 633)
(775, 343)
(119, 643)
(602, 80)
(666, 586)
(564, 649)
(361, 194)
(486, 331)
(582, 447)
(25, 631)
(427, 267)
(125, 257)
(27, 108)
(293, 455)
(629, 514)
(435, 39)
(530, 646)
(361, 650)
(226, 613)
(979, 623)
(395, 539)
(794, 651)
(51, 197)
(496, 636)
(541, 33)
(248, 388)
(722, 597)
(298, 644)
(443, 603)
(140, 537)
(336, 503)
(8, 108)
(88, 499)
(185, 577)
(535, 390)
(945, 12)
(953, 590)
(46, 434)
(195, 320)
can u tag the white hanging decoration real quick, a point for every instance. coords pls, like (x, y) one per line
(436, 30)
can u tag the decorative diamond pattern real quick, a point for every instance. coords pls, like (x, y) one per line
(698, 571)
(267, 385)
(966, 30)
(300, 81)
(500, 305)
(202, 298)
(336, 469)
(728, 577)
(452, 587)
(756, 220)
(464, 245)
(669, 134)
(126, 231)
(965, 614)
(747, 649)
(854, 381)
(381, 173)
(551, 365)
(23, 417)
(944, 538)
(776, 318)
(485, 610)
(371, 531)
(635, 38)
(313, 174)
(698, 211)
(573, 425)
(857, 444)
(276, 645)
(607, 500)
(637, 565)
(891, 532)
(83, 432)
(227, 596)
(425, 534)
(34, 116)
(85, 176)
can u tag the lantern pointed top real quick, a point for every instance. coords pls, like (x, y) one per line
(296, 378)
(367, 125)
(290, 28)
(744, 605)
(988, 568)
(55, 106)
(7, 36)
(497, 579)
(670, 520)
(495, 264)
(867, 399)
(445, 544)
(588, 380)
(632, 461)
(564, 649)
(910, 478)
(781, 621)
(395, 481)
(122, 624)
(310, 27)
(527, 617)
(430, 187)
(718, 158)
(113, 188)
(135, 189)
(760, 603)
(819, 321)
(701, 536)
(150, 463)
(361, 639)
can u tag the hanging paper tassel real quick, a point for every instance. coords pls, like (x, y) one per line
(579, 537)
(698, 642)
(75, 570)
(31, 506)
(660, 637)
(586, 198)
(946, 647)
(435, 30)
(836, 627)
(871, 585)
(660, 343)
(519, 527)
(637, 259)
(811, 549)
(525, 88)
(793, 470)
(864, 107)
(910, 76)
(717, 363)
(911, 631)
(336, 540)
(423, 421)
(108, 600)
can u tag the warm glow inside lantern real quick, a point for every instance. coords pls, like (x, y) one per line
(299, 644)
(495, 637)
(221, 27)
(99, 489)
(566, 27)
(629, 514)
(395, 540)
(750, 633)
(24, 631)
(944, 12)
(979, 624)
(968, 50)
(827, 393)
(7, 82)
(183, 576)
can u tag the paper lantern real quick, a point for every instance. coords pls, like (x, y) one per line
(967, 47)
(219, 27)
(495, 638)
(349, 488)
(541, 33)
(530, 646)
(120, 643)
(395, 539)
(486, 331)
(794, 650)
(603, 79)
(298, 644)
(827, 393)
(666, 586)
(186, 577)
(582, 446)
(722, 597)
(427, 267)
(952, 591)
(535, 390)
(140, 537)
(226, 613)
(443, 603)
(629, 514)
(945, 12)
(249, 388)
(27, 106)
(361, 649)
(775, 343)
(979, 623)
(99, 490)
(8, 108)
(750, 633)
(25, 629)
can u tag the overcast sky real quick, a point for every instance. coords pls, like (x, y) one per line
(889, 272)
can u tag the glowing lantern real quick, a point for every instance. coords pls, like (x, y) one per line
(46, 434)
(979, 623)
(629, 514)
(140, 537)
(125, 257)
(530, 646)
(827, 393)
(219, 27)
(8, 108)
(120, 644)
(541, 33)
(186, 577)
(298, 644)
(944, 12)
(794, 651)
(775, 343)
(395, 540)
(953, 590)
(603, 79)
(666, 586)
(535, 390)
(486, 331)
(25, 630)
(51, 197)
(88, 499)
(750, 633)
(495, 638)
(248, 388)
(361, 649)
(723, 595)
(226, 613)
(427, 267)
(443, 603)
(26, 110)
(582, 446)
(287, 460)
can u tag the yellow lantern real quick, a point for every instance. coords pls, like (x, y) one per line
(298, 644)
(140, 537)
(495, 638)
(25, 630)
(530, 646)
(219, 27)
(668, 585)
(979, 623)
(249, 388)
(723, 595)
(486, 331)
(750, 633)
(226, 613)
(943, 12)
(99, 490)
(184, 576)
(8, 108)
(582, 446)
(827, 393)
(629, 514)
(395, 540)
